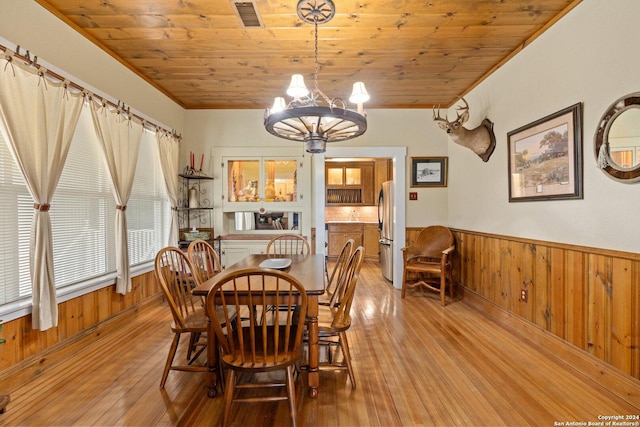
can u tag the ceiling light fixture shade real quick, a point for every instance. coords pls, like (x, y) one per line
(304, 119)
(278, 104)
(297, 89)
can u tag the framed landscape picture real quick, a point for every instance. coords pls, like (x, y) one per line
(545, 158)
(429, 171)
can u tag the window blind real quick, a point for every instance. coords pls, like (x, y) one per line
(82, 215)
(148, 209)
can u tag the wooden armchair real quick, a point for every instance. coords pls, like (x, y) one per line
(429, 259)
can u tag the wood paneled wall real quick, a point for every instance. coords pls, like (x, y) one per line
(76, 316)
(586, 296)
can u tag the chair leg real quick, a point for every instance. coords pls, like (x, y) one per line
(404, 282)
(194, 337)
(291, 393)
(443, 290)
(451, 284)
(344, 346)
(228, 399)
(170, 356)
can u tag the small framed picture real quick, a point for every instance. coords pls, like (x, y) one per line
(429, 171)
(545, 158)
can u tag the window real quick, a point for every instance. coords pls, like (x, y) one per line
(16, 211)
(148, 210)
(82, 211)
(82, 215)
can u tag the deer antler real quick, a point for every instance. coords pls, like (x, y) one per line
(438, 118)
(465, 111)
(481, 140)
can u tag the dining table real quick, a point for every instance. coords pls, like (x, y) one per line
(310, 271)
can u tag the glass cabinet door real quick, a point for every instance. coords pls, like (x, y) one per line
(334, 176)
(353, 176)
(260, 182)
(280, 181)
(243, 181)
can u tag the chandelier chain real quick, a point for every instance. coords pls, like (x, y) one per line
(316, 68)
(315, 52)
(304, 119)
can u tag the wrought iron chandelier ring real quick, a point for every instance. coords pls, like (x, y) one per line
(302, 119)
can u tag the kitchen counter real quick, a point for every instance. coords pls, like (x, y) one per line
(350, 222)
(248, 236)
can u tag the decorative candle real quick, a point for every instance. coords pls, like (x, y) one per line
(201, 161)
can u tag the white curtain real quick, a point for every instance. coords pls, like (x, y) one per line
(120, 138)
(39, 118)
(168, 148)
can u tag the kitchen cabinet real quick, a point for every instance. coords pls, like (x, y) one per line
(195, 210)
(349, 183)
(383, 172)
(232, 251)
(371, 241)
(255, 183)
(363, 234)
(339, 233)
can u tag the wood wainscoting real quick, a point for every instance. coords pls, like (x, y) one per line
(77, 317)
(586, 296)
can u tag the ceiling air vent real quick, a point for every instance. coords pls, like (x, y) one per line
(246, 11)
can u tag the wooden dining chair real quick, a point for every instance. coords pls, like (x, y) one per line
(288, 244)
(427, 262)
(173, 270)
(252, 345)
(335, 320)
(204, 259)
(206, 264)
(330, 296)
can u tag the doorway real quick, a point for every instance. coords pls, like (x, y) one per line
(398, 154)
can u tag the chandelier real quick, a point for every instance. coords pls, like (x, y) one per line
(305, 118)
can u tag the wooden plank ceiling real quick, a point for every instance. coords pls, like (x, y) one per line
(409, 53)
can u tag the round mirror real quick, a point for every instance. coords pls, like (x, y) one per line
(617, 139)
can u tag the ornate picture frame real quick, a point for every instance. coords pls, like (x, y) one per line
(545, 158)
(429, 171)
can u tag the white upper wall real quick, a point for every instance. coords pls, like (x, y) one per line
(26, 23)
(207, 129)
(589, 56)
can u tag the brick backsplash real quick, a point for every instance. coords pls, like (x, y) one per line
(343, 213)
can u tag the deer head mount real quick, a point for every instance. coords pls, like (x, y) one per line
(481, 140)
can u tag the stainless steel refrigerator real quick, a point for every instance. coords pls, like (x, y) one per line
(385, 225)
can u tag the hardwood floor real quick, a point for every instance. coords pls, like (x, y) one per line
(416, 363)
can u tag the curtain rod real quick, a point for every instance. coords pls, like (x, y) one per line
(34, 62)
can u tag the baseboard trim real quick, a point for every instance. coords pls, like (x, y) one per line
(44, 357)
(608, 376)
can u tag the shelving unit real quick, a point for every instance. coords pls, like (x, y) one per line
(195, 210)
(349, 183)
